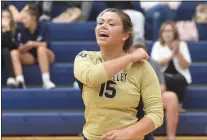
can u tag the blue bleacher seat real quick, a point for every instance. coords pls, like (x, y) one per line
(190, 123)
(69, 98)
(42, 123)
(71, 123)
(196, 98)
(42, 99)
(198, 72)
(78, 31)
(62, 74)
(66, 51)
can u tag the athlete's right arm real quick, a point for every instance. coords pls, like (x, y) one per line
(95, 74)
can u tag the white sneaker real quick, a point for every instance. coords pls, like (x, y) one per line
(49, 85)
(11, 82)
(21, 84)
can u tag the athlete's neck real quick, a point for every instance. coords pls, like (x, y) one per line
(112, 53)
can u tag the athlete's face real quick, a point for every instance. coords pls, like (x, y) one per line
(109, 30)
(168, 33)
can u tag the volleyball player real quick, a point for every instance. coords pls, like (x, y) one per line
(113, 81)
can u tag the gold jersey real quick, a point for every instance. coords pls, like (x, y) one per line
(110, 104)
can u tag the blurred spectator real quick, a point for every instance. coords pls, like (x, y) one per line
(157, 12)
(8, 28)
(137, 17)
(174, 57)
(195, 29)
(17, 8)
(67, 12)
(32, 47)
(169, 98)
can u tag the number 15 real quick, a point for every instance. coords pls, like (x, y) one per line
(109, 88)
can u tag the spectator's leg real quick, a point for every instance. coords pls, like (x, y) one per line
(18, 59)
(86, 7)
(11, 82)
(138, 21)
(157, 15)
(171, 106)
(45, 57)
(47, 9)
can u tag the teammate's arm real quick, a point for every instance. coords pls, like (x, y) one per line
(95, 74)
(151, 96)
(26, 47)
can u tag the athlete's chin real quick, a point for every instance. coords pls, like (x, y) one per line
(102, 43)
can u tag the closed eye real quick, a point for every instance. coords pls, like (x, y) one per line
(100, 23)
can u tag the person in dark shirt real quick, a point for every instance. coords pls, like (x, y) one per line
(32, 47)
(8, 29)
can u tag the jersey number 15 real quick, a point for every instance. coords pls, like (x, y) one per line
(108, 87)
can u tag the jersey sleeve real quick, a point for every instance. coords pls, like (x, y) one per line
(151, 95)
(87, 72)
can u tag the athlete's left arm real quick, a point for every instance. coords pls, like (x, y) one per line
(151, 96)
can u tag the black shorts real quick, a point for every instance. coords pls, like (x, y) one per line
(33, 52)
(177, 84)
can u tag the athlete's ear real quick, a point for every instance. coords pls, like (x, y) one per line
(125, 36)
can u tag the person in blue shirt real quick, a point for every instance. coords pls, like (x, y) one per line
(32, 47)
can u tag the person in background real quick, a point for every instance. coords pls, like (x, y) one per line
(169, 98)
(195, 29)
(8, 28)
(32, 47)
(174, 57)
(157, 12)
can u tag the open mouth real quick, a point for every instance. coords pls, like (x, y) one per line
(103, 34)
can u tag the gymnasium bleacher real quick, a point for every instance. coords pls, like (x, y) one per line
(59, 111)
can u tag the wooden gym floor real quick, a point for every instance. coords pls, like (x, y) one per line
(80, 138)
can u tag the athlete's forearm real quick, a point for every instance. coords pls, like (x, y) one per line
(141, 128)
(114, 66)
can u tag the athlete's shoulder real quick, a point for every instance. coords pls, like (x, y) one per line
(140, 64)
(89, 54)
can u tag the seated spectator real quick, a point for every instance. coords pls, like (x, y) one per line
(137, 17)
(169, 98)
(174, 57)
(8, 30)
(32, 47)
(157, 12)
(196, 28)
